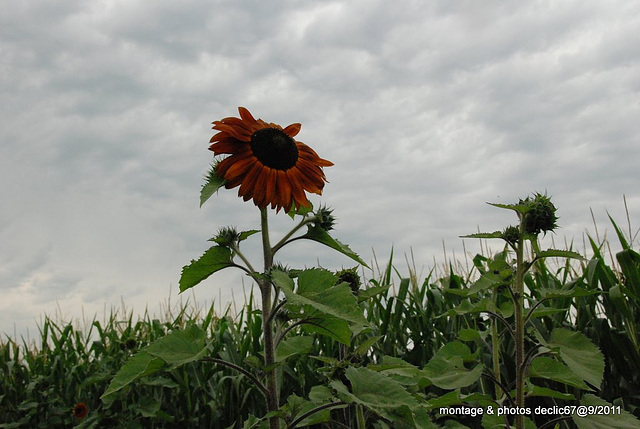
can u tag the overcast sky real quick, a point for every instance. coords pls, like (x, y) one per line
(428, 109)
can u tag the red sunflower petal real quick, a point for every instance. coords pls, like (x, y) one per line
(270, 188)
(246, 115)
(233, 131)
(292, 130)
(230, 146)
(240, 167)
(296, 188)
(247, 185)
(283, 191)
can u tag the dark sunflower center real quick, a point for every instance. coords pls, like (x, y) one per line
(274, 148)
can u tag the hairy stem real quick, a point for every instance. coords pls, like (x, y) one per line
(519, 316)
(284, 239)
(495, 348)
(267, 323)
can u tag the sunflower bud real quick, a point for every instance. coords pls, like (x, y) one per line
(511, 234)
(226, 237)
(540, 215)
(350, 276)
(324, 218)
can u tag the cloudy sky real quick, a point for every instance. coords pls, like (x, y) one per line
(428, 109)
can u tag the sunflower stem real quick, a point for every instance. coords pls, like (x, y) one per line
(267, 323)
(284, 239)
(236, 248)
(520, 320)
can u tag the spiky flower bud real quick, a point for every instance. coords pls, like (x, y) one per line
(324, 218)
(540, 215)
(511, 234)
(351, 277)
(226, 236)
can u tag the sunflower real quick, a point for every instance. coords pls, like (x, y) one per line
(265, 160)
(80, 410)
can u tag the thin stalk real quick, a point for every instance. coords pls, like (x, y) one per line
(360, 416)
(495, 348)
(267, 323)
(294, 423)
(519, 316)
(236, 248)
(284, 239)
(241, 370)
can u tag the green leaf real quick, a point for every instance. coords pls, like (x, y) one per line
(180, 347)
(469, 335)
(319, 323)
(214, 259)
(320, 394)
(579, 354)
(574, 292)
(629, 261)
(172, 350)
(318, 290)
(379, 393)
(401, 371)
(369, 292)
(466, 307)
(246, 234)
(364, 347)
(542, 311)
(303, 210)
(447, 370)
(293, 346)
(456, 398)
(487, 235)
(519, 208)
(533, 390)
(140, 365)
(551, 369)
(555, 253)
(620, 299)
(623, 240)
(211, 185)
(616, 418)
(317, 233)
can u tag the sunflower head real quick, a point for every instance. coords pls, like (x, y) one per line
(540, 215)
(80, 410)
(266, 162)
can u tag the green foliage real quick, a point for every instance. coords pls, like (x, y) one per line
(319, 234)
(211, 185)
(214, 259)
(388, 355)
(322, 303)
(173, 350)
